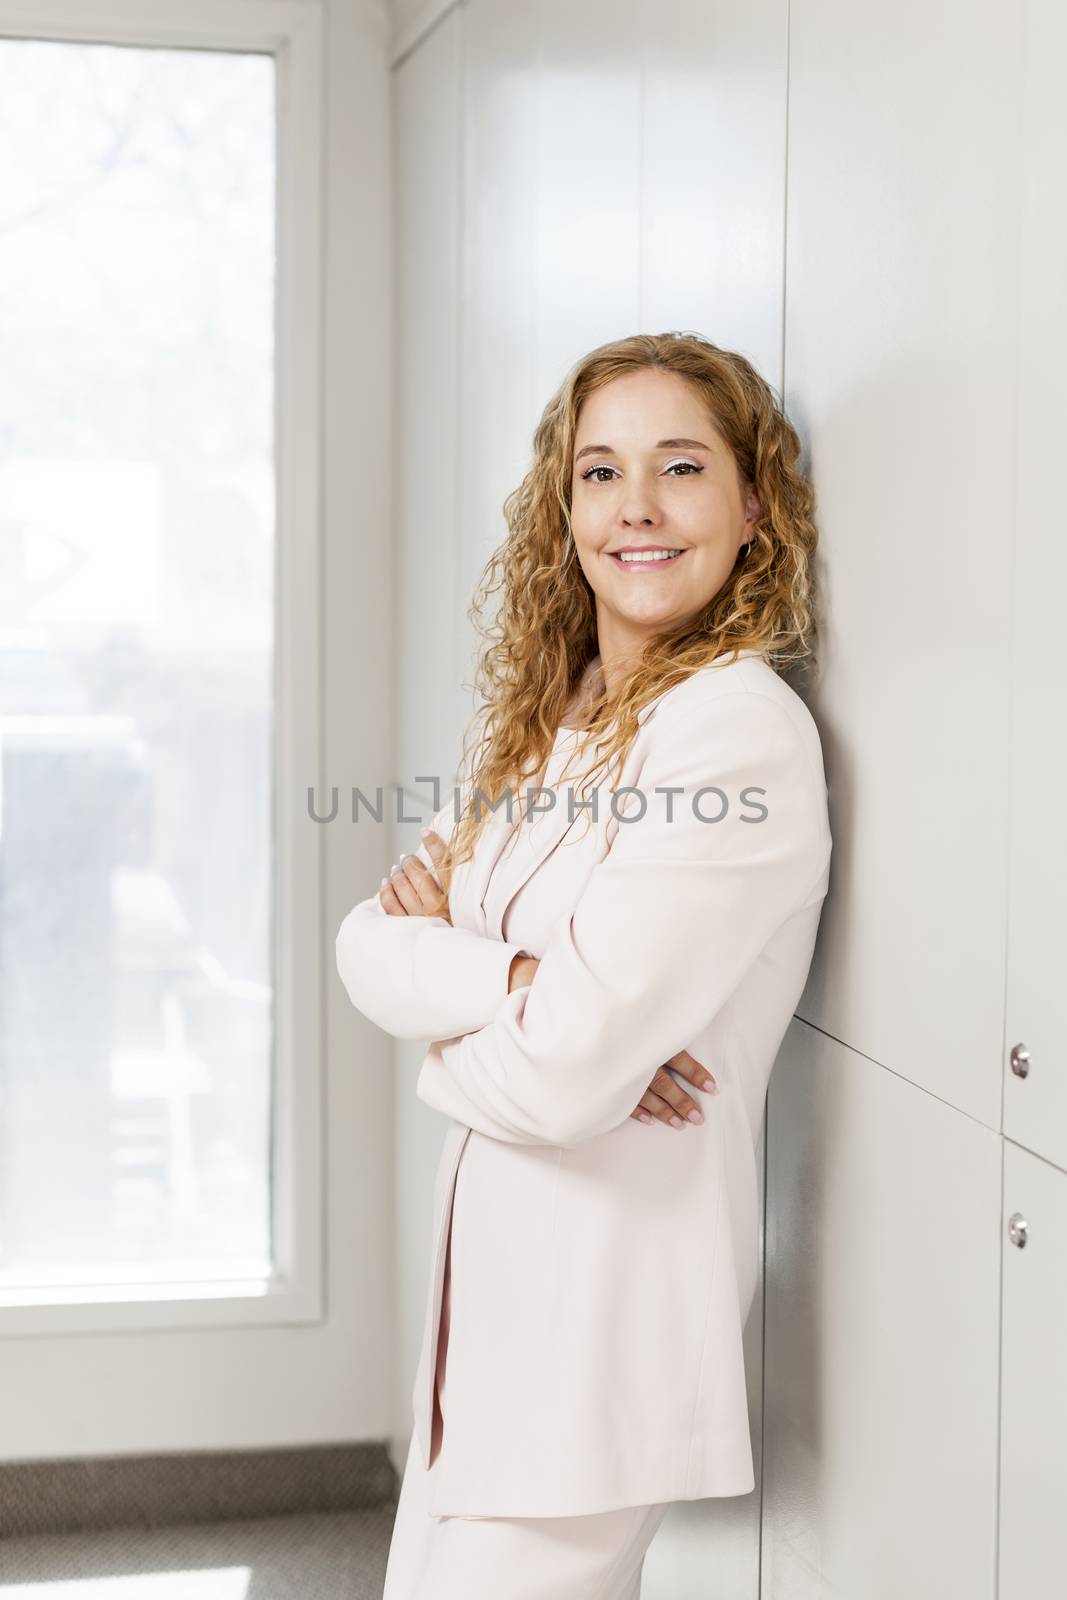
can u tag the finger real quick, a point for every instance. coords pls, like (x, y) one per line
(405, 891)
(667, 1089)
(690, 1068)
(436, 848)
(427, 890)
(387, 895)
(640, 1114)
(660, 1110)
(440, 855)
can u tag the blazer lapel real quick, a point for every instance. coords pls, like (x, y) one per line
(486, 886)
(522, 859)
(471, 879)
(511, 869)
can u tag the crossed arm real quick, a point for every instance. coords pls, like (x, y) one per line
(667, 926)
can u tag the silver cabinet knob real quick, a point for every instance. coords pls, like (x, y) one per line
(1020, 1060)
(1017, 1229)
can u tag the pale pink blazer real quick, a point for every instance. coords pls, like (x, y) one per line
(602, 1269)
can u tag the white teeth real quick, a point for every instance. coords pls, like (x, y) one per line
(640, 555)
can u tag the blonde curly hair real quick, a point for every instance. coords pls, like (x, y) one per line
(544, 635)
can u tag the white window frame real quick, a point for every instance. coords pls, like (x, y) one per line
(292, 32)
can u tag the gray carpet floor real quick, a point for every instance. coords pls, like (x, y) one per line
(326, 1555)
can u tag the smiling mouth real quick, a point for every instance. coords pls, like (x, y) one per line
(654, 561)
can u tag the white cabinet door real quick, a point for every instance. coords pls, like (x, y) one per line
(882, 1298)
(900, 352)
(1033, 1434)
(1035, 1106)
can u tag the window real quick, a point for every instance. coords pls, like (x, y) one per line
(145, 846)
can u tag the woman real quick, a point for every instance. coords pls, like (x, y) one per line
(596, 1243)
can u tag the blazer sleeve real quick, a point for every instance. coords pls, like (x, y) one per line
(420, 977)
(668, 924)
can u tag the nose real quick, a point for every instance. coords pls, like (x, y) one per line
(638, 506)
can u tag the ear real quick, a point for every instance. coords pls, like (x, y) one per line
(753, 508)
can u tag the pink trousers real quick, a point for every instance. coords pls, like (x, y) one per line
(598, 1556)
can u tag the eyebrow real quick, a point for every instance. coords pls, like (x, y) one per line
(664, 444)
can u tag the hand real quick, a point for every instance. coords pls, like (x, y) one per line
(669, 1102)
(411, 890)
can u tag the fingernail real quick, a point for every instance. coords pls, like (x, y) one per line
(644, 1116)
(383, 883)
(425, 832)
(676, 1122)
(695, 1116)
(711, 1086)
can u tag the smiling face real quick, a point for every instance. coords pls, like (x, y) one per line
(651, 473)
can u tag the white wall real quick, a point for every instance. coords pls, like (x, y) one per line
(925, 310)
(883, 1158)
(856, 196)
